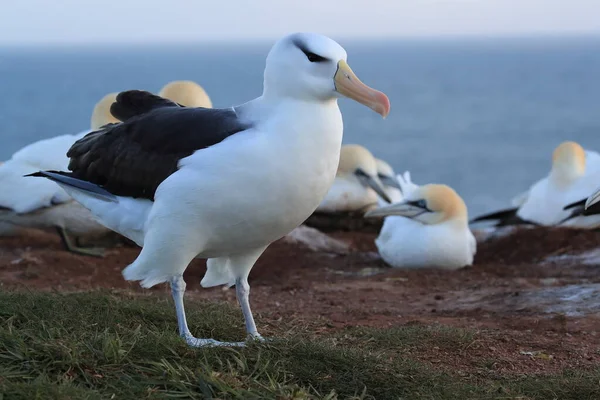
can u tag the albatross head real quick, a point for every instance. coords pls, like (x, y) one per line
(428, 204)
(568, 162)
(358, 163)
(186, 93)
(313, 67)
(101, 114)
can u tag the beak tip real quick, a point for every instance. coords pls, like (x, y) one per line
(384, 103)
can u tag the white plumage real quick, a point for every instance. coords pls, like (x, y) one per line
(32, 203)
(229, 201)
(428, 229)
(574, 175)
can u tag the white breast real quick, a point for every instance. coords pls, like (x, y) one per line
(256, 186)
(404, 243)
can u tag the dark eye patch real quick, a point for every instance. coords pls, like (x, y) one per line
(312, 57)
(419, 203)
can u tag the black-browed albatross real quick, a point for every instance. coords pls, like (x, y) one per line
(220, 184)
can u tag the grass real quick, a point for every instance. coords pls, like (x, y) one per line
(102, 345)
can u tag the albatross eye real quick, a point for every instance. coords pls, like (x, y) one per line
(312, 57)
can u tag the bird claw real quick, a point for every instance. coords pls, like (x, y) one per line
(196, 342)
(257, 337)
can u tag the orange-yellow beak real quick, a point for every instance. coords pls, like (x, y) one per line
(348, 84)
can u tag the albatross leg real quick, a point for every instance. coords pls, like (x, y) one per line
(242, 290)
(177, 289)
(240, 266)
(73, 248)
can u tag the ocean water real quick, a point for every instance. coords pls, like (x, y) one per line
(482, 116)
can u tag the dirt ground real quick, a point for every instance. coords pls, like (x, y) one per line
(531, 298)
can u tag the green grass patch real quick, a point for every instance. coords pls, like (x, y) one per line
(101, 345)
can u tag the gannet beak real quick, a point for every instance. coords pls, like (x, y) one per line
(348, 84)
(368, 181)
(404, 209)
(593, 199)
(390, 181)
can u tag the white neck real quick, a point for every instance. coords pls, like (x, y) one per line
(565, 174)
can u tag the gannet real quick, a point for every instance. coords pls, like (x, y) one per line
(356, 185)
(220, 184)
(27, 203)
(432, 231)
(388, 179)
(186, 93)
(575, 174)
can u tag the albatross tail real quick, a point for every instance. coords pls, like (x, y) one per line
(123, 215)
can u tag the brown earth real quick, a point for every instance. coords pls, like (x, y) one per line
(529, 313)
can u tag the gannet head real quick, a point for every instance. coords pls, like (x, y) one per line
(186, 93)
(101, 114)
(428, 204)
(568, 162)
(386, 174)
(313, 67)
(357, 163)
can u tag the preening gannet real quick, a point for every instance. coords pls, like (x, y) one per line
(432, 230)
(388, 179)
(186, 93)
(574, 175)
(28, 203)
(220, 184)
(356, 185)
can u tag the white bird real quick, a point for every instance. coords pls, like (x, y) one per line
(27, 203)
(429, 228)
(575, 174)
(220, 184)
(356, 185)
(388, 179)
(186, 93)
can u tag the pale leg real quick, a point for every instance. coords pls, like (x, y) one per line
(242, 290)
(177, 289)
(241, 266)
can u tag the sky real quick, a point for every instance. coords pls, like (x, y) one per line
(151, 21)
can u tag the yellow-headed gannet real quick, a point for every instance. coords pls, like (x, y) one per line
(575, 174)
(431, 231)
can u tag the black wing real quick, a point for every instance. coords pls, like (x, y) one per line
(594, 209)
(133, 158)
(506, 217)
(133, 103)
(578, 209)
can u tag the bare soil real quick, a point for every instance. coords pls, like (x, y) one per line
(532, 307)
